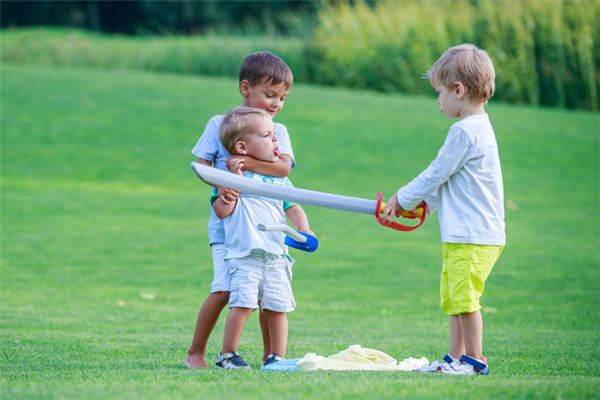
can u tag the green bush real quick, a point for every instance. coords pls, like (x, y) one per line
(544, 52)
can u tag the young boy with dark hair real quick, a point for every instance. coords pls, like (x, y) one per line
(264, 82)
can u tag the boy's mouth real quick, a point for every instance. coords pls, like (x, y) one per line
(276, 152)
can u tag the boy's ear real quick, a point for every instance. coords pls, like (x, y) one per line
(460, 90)
(240, 148)
(244, 87)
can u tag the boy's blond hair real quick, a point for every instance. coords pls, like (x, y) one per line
(235, 125)
(469, 65)
(264, 65)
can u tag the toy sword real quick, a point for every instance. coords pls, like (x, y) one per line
(217, 177)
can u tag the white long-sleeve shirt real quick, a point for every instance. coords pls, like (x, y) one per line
(465, 183)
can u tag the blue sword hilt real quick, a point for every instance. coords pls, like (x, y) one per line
(298, 240)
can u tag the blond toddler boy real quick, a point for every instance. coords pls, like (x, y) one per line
(464, 183)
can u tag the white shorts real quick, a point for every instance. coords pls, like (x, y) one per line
(221, 279)
(262, 277)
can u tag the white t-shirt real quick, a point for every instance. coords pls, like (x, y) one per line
(465, 183)
(241, 234)
(209, 148)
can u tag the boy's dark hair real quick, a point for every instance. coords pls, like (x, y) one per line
(264, 65)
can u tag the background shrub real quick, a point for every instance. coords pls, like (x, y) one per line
(545, 52)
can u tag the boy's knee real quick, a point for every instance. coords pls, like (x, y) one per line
(221, 297)
(243, 310)
(269, 312)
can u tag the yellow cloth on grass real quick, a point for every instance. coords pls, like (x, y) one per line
(357, 358)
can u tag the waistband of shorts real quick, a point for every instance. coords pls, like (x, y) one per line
(265, 255)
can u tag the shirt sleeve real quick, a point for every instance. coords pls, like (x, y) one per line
(452, 156)
(214, 195)
(285, 143)
(208, 145)
(288, 204)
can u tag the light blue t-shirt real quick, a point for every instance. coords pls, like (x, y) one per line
(210, 148)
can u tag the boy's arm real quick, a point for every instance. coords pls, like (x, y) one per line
(281, 167)
(298, 218)
(224, 208)
(452, 157)
(224, 204)
(226, 193)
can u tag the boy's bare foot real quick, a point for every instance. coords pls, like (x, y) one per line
(195, 361)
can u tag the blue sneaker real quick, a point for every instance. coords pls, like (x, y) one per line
(271, 358)
(231, 360)
(480, 367)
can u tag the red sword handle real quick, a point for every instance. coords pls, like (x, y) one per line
(420, 213)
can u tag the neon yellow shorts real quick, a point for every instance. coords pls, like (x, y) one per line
(465, 268)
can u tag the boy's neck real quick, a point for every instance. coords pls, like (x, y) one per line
(471, 109)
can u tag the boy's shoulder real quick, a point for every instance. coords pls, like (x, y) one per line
(279, 127)
(216, 120)
(472, 124)
(213, 125)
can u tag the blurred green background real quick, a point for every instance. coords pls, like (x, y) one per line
(546, 52)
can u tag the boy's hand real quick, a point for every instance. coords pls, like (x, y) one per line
(392, 209)
(236, 164)
(228, 195)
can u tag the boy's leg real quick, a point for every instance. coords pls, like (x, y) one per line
(211, 308)
(468, 269)
(236, 321)
(207, 319)
(472, 330)
(277, 299)
(264, 328)
(278, 328)
(457, 342)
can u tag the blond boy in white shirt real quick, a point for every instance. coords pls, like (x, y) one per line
(464, 183)
(259, 266)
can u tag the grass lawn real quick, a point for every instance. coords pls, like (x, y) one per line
(104, 258)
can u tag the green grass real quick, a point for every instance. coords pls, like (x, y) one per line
(105, 258)
(210, 54)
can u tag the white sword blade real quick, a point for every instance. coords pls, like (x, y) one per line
(217, 177)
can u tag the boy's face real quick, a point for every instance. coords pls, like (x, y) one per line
(259, 140)
(449, 100)
(264, 95)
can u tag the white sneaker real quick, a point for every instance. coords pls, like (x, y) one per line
(467, 366)
(438, 366)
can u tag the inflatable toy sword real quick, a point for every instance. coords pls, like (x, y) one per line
(217, 177)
